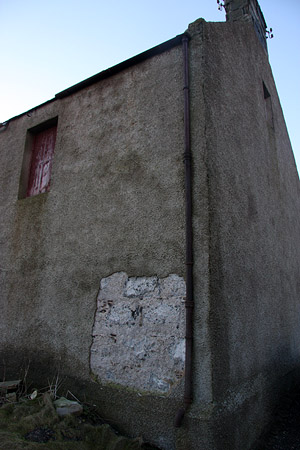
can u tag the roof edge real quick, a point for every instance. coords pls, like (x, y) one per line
(161, 48)
(174, 42)
(6, 122)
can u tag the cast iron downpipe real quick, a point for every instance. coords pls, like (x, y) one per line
(189, 302)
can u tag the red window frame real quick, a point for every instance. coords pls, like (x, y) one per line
(41, 161)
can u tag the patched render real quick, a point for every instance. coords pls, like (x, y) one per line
(138, 332)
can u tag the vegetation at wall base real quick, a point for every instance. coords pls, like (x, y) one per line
(33, 423)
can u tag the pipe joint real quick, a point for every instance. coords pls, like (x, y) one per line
(189, 304)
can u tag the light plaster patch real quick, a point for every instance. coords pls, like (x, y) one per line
(138, 333)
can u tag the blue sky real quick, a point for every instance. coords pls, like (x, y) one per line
(49, 46)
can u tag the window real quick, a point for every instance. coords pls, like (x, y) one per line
(269, 109)
(41, 161)
(37, 160)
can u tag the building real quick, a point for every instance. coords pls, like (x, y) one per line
(107, 238)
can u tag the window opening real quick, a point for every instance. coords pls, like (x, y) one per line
(41, 161)
(37, 159)
(269, 109)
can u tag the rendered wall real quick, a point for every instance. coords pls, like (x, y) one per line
(115, 205)
(115, 215)
(254, 223)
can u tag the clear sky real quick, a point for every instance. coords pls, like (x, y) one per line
(47, 46)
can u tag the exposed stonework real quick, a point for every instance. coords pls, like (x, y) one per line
(138, 334)
(117, 200)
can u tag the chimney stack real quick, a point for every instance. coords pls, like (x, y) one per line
(247, 11)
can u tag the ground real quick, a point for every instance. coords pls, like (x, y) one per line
(34, 424)
(283, 432)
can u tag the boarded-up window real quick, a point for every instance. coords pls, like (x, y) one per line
(41, 161)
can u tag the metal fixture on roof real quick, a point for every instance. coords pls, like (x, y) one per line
(221, 5)
(269, 34)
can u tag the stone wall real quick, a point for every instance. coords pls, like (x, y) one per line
(254, 222)
(115, 204)
(115, 213)
(139, 330)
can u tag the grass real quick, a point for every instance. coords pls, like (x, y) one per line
(34, 424)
